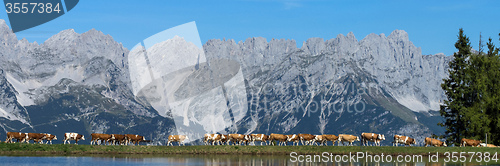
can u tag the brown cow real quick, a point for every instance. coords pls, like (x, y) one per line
(210, 138)
(247, 140)
(277, 137)
(36, 137)
(213, 138)
(176, 138)
(372, 137)
(73, 136)
(401, 139)
(49, 138)
(332, 138)
(307, 138)
(237, 139)
(434, 142)
(470, 142)
(320, 139)
(104, 138)
(224, 139)
(259, 137)
(347, 138)
(118, 138)
(134, 139)
(294, 138)
(16, 135)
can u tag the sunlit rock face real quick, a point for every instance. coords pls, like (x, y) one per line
(176, 79)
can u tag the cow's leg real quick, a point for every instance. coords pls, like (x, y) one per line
(76, 141)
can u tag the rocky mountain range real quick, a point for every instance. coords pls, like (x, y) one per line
(82, 83)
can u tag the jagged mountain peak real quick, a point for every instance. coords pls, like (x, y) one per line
(350, 35)
(7, 37)
(400, 35)
(64, 37)
(372, 37)
(3, 26)
(314, 45)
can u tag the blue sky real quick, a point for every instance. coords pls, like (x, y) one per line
(431, 25)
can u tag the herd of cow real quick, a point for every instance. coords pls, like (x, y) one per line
(115, 139)
(239, 139)
(304, 139)
(309, 139)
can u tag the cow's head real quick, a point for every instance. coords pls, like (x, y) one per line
(83, 137)
(357, 138)
(444, 144)
(381, 137)
(413, 141)
(55, 137)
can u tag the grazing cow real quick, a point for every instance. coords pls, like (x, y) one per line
(372, 137)
(104, 138)
(214, 138)
(49, 138)
(16, 135)
(307, 138)
(470, 142)
(207, 138)
(487, 145)
(118, 138)
(294, 138)
(434, 142)
(36, 137)
(320, 139)
(259, 137)
(134, 139)
(401, 139)
(347, 138)
(176, 138)
(332, 138)
(73, 136)
(237, 139)
(277, 137)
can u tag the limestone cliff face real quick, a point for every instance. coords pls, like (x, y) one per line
(379, 84)
(385, 76)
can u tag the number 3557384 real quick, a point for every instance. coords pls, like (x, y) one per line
(26, 8)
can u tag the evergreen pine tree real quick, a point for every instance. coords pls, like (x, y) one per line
(456, 90)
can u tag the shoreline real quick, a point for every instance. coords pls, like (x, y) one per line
(61, 149)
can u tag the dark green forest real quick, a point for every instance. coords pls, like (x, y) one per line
(472, 107)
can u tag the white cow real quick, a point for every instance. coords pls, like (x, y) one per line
(73, 136)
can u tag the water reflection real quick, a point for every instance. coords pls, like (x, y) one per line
(210, 160)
